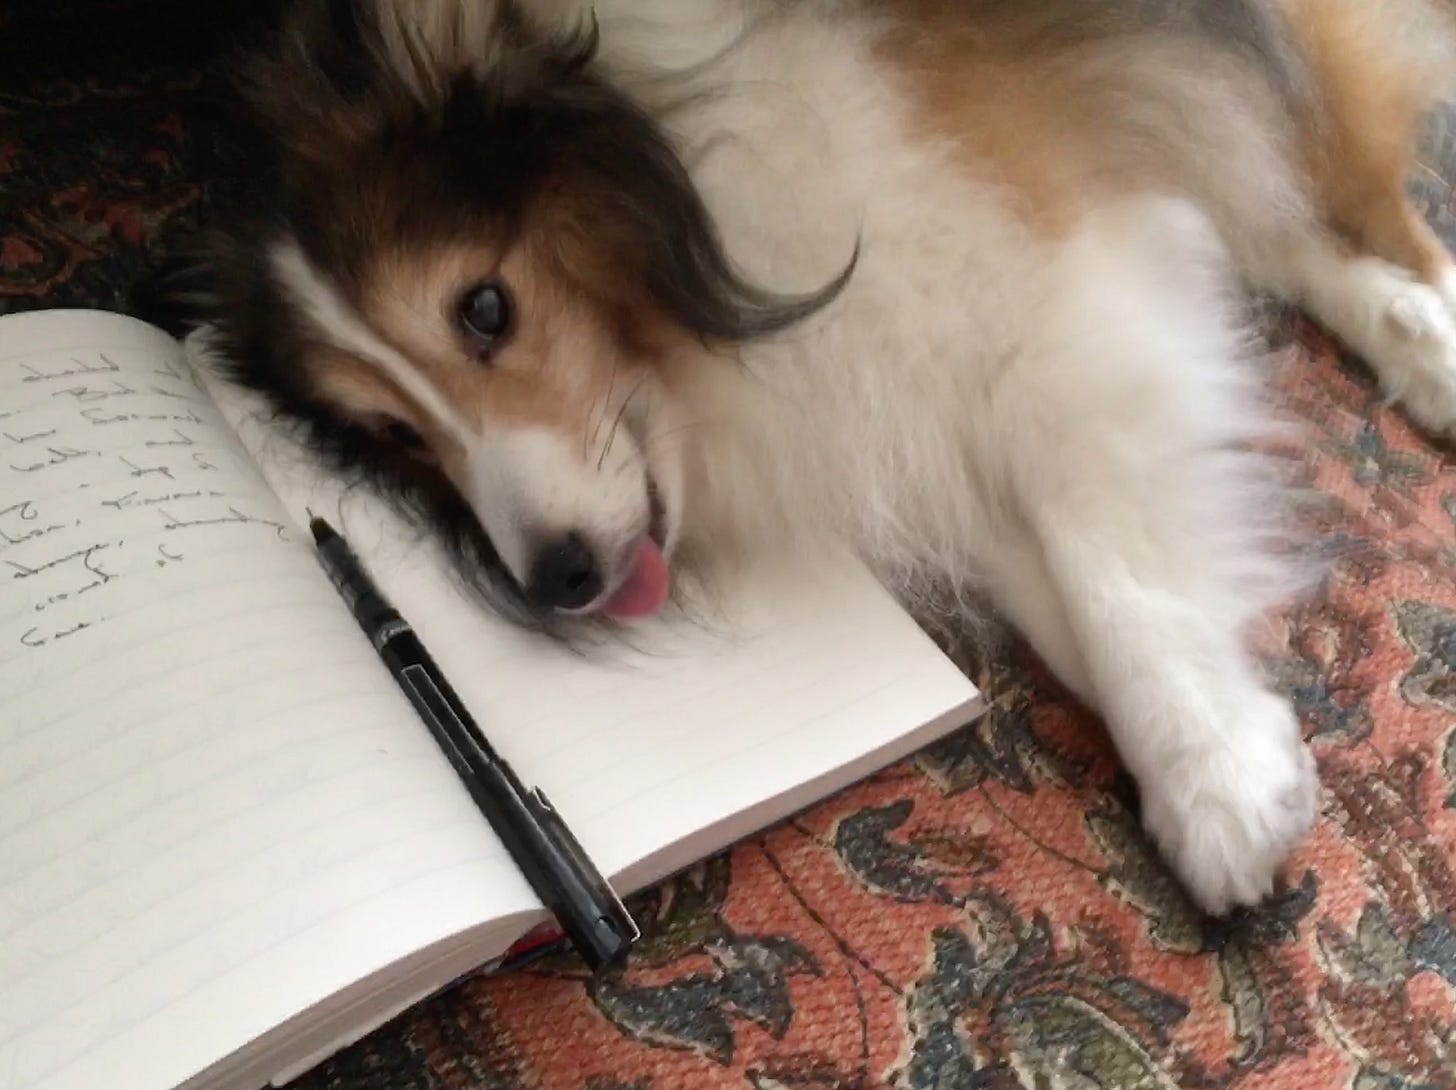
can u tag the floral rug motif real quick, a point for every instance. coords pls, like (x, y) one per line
(988, 915)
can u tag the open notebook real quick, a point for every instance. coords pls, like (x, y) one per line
(227, 845)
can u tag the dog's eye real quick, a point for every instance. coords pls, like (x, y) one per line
(484, 314)
(397, 431)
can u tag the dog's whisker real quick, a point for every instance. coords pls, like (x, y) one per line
(617, 423)
(649, 441)
(602, 415)
(653, 444)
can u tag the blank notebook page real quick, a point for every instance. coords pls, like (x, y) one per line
(215, 807)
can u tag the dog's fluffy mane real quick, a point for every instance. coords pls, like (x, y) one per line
(405, 124)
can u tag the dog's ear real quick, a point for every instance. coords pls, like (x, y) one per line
(623, 204)
(318, 83)
(346, 58)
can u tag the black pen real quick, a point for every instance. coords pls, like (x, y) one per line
(591, 914)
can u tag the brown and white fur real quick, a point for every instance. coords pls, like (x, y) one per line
(961, 289)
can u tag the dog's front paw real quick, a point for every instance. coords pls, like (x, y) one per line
(1415, 354)
(1228, 815)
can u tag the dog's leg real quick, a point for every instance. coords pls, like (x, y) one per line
(1390, 227)
(1227, 787)
(1366, 264)
(1130, 482)
(1024, 592)
(1401, 325)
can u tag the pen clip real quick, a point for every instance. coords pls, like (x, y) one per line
(551, 821)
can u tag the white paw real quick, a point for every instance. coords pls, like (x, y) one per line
(1414, 352)
(1228, 815)
(1420, 313)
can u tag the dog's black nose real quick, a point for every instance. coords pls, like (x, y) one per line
(565, 575)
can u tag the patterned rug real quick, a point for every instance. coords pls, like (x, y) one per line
(987, 915)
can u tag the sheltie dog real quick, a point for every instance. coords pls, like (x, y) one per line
(611, 294)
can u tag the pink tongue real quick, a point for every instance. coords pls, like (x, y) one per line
(645, 590)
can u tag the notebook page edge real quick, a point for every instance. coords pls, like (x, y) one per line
(761, 816)
(295, 1048)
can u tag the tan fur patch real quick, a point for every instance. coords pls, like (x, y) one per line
(1021, 111)
(985, 88)
(1362, 151)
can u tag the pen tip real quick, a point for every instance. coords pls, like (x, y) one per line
(322, 531)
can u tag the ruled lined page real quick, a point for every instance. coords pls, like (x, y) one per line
(659, 757)
(215, 807)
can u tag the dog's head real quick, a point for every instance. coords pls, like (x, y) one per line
(484, 273)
